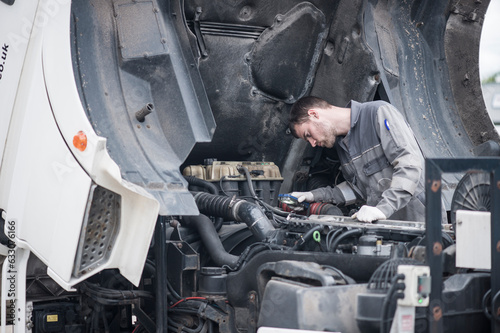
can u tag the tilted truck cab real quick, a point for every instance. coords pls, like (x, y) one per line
(119, 118)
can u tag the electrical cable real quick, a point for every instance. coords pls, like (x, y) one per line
(336, 178)
(113, 294)
(249, 181)
(184, 310)
(223, 178)
(187, 299)
(484, 305)
(172, 291)
(388, 299)
(107, 296)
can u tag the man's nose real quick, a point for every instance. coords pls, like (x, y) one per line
(312, 142)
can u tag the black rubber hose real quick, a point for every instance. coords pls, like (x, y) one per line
(330, 239)
(255, 197)
(192, 180)
(218, 223)
(211, 240)
(254, 217)
(249, 182)
(214, 205)
(236, 210)
(341, 237)
(306, 237)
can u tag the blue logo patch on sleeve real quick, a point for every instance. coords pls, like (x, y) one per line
(387, 124)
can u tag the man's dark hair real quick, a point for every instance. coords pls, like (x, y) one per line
(298, 113)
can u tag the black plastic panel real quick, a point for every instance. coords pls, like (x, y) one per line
(291, 75)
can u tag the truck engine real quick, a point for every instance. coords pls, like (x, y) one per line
(146, 167)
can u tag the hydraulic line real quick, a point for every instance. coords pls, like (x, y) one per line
(330, 237)
(341, 237)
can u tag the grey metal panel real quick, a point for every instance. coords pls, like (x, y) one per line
(126, 55)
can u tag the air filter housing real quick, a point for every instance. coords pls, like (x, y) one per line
(472, 193)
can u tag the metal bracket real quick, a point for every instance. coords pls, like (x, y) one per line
(434, 168)
(197, 31)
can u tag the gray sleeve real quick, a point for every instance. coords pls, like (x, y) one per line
(323, 194)
(402, 150)
(340, 194)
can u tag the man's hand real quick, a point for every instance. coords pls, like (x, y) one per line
(303, 196)
(369, 214)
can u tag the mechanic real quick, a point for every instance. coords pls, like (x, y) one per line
(380, 158)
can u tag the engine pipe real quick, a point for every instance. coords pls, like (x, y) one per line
(324, 208)
(192, 180)
(235, 210)
(211, 240)
(341, 237)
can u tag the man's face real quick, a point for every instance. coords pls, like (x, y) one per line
(317, 132)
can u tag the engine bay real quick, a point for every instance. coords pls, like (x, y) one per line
(160, 196)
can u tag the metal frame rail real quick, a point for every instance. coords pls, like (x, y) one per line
(434, 168)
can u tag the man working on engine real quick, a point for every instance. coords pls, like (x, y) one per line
(380, 158)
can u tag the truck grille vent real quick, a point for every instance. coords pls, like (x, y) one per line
(229, 30)
(100, 227)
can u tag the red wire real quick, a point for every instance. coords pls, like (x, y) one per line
(135, 329)
(186, 299)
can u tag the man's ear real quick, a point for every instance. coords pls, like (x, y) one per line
(313, 113)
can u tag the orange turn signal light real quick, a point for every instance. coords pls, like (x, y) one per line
(80, 141)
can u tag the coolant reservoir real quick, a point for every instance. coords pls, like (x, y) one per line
(265, 178)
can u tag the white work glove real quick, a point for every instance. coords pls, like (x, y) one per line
(303, 196)
(369, 214)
